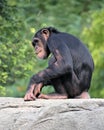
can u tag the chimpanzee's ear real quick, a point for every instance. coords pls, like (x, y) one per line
(45, 33)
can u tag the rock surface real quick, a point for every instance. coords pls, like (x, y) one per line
(68, 114)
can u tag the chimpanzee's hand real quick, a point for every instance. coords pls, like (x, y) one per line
(29, 96)
(37, 89)
(33, 92)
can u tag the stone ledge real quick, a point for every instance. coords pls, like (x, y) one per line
(67, 114)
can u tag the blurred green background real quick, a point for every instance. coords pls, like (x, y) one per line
(20, 19)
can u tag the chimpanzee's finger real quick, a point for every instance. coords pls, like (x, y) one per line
(29, 97)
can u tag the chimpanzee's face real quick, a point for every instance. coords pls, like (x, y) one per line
(40, 50)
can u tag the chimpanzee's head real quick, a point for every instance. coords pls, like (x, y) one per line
(40, 42)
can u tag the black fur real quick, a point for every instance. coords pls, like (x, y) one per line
(70, 66)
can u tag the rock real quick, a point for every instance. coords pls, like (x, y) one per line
(67, 114)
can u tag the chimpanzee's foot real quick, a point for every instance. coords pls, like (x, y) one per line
(83, 95)
(52, 96)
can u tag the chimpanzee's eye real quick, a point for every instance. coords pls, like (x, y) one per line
(34, 42)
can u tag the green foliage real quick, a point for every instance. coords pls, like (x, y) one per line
(94, 35)
(19, 19)
(2, 91)
(15, 49)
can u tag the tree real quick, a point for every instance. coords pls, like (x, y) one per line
(18, 21)
(93, 34)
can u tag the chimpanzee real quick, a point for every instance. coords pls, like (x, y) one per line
(69, 70)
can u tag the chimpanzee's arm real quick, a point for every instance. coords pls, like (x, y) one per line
(62, 65)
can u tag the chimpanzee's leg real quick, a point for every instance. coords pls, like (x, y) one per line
(77, 85)
(71, 86)
(60, 92)
(85, 80)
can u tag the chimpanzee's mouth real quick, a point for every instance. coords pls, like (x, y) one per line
(37, 51)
